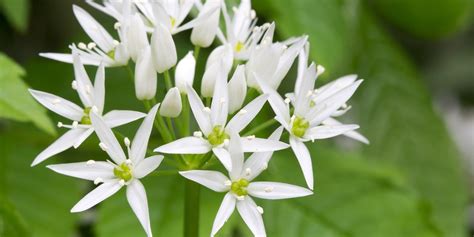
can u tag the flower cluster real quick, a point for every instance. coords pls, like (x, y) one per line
(241, 75)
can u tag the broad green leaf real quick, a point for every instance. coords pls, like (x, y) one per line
(11, 223)
(393, 106)
(15, 101)
(17, 13)
(425, 18)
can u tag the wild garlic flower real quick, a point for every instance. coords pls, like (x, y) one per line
(92, 96)
(305, 124)
(215, 129)
(121, 171)
(240, 189)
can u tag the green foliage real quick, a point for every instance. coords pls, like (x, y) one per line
(15, 101)
(17, 13)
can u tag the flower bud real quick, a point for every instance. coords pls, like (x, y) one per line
(223, 52)
(237, 89)
(185, 72)
(164, 49)
(145, 76)
(137, 38)
(220, 59)
(203, 34)
(209, 80)
(171, 106)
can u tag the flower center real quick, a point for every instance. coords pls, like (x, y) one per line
(217, 136)
(173, 22)
(240, 187)
(124, 172)
(300, 125)
(86, 119)
(111, 54)
(239, 46)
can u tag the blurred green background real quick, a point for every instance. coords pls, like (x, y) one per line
(416, 107)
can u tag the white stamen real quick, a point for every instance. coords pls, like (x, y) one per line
(207, 110)
(122, 182)
(60, 125)
(103, 146)
(74, 85)
(287, 100)
(248, 171)
(240, 198)
(128, 162)
(91, 45)
(265, 166)
(90, 162)
(226, 142)
(116, 43)
(251, 137)
(197, 134)
(98, 181)
(269, 189)
(260, 209)
(309, 94)
(228, 183)
(126, 141)
(253, 14)
(320, 70)
(75, 124)
(95, 109)
(117, 25)
(242, 112)
(82, 46)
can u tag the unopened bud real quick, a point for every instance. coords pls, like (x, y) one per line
(164, 49)
(172, 105)
(185, 72)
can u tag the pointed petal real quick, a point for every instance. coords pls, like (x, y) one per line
(84, 84)
(246, 115)
(117, 118)
(220, 99)
(66, 141)
(276, 102)
(224, 157)
(249, 212)
(213, 180)
(202, 118)
(333, 87)
(140, 141)
(185, 71)
(145, 76)
(237, 89)
(328, 131)
(147, 166)
(262, 145)
(58, 105)
(83, 137)
(286, 61)
(304, 159)
(258, 162)
(275, 191)
(136, 196)
(61, 57)
(225, 211)
(99, 88)
(106, 136)
(97, 195)
(95, 30)
(304, 97)
(85, 170)
(237, 155)
(187, 145)
(164, 49)
(351, 134)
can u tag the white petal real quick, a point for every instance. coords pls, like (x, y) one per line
(276, 102)
(224, 157)
(99, 88)
(237, 156)
(208, 82)
(213, 180)
(262, 145)
(304, 97)
(86, 170)
(147, 166)
(137, 38)
(335, 86)
(117, 118)
(237, 89)
(287, 60)
(83, 137)
(263, 64)
(196, 21)
(106, 136)
(252, 217)
(95, 30)
(202, 118)
(222, 53)
(84, 84)
(140, 141)
(145, 76)
(275, 191)
(328, 131)
(187, 145)
(258, 162)
(304, 159)
(66, 141)
(204, 33)
(97, 195)
(172, 105)
(220, 100)
(225, 211)
(352, 134)
(58, 105)
(164, 49)
(185, 71)
(136, 196)
(246, 115)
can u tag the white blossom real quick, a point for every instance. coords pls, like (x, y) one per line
(203, 34)
(172, 105)
(185, 71)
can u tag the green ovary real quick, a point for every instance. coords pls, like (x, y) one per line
(111, 54)
(217, 136)
(86, 119)
(300, 125)
(124, 172)
(239, 46)
(240, 187)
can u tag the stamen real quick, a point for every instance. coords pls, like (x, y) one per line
(116, 43)
(253, 14)
(95, 109)
(260, 209)
(75, 124)
(74, 85)
(103, 146)
(90, 162)
(91, 45)
(60, 125)
(251, 137)
(242, 112)
(265, 166)
(197, 134)
(320, 70)
(126, 141)
(98, 181)
(287, 101)
(248, 171)
(269, 189)
(228, 183)
(117, 25)
(226, 142)
(122, 182)
(82, 46)
(207, 110)
(309, 94)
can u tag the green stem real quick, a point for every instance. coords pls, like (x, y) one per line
(168, 82)
(191, 208)
(261, 127)
(184, 120)
(171, 127)
(197, 50)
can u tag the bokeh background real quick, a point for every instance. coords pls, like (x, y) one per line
(416, 106)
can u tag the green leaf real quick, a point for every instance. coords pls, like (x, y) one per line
(11, 223)
(15, 101)
(393, 107)
(17, 13)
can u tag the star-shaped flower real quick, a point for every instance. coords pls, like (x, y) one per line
(240, 189)
(119, 172)
(92, 96)
(306, 123)
(215, 130)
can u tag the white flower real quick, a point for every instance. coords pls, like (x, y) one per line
(185, 72)
(205, 32)
(240, 188)
(163, 48)
(119, 172)
(237, 89)
(145, 76)
(112, 8)
(92, 96)
(136, 35)
(219, 61)
(103, 50)
(172, 105)
(306, 124)
(216, 130)
(272, 61)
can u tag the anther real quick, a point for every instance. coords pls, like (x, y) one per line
(126, 141)
(251, 137)
(128, 162)
(95, 109)
(90, 162)
(91, 45)
(197, 134)
(74, 85)
(60, 125)
(98, 181)
(117, 25)
(287, 100)
(122, 182)
(248, 171)
(242, 112)
(103, 146)
(253, 14)
(268, 189)
(228, 183)
(207, 110)
(116, 43)
(226, 142)
(75, 124)
(320, 70)
(82, 46)
(265, 166)
(260, 209)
